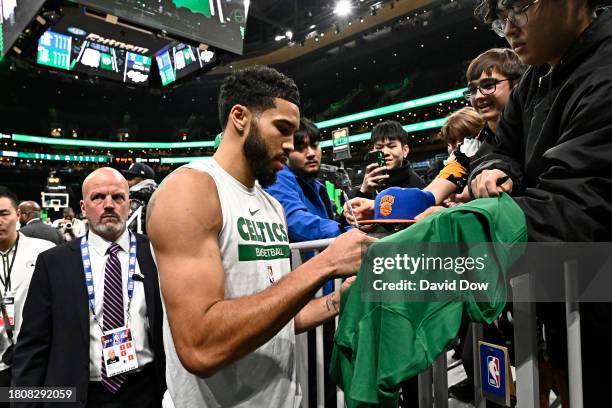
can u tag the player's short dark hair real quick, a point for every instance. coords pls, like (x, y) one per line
(503, 60)
(486, 9)
(307, 130)
(6, 193)
(389, 130)
(256, 88)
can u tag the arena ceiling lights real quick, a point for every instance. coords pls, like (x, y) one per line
(111, 145)
(398, 107)
(385, 110)
(342, 8)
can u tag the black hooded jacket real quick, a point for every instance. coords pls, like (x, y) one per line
(554, 139)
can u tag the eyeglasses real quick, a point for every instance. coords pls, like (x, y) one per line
(486, 87)
(516, 15)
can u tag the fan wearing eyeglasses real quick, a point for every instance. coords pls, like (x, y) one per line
(554, 154)
(491, 78)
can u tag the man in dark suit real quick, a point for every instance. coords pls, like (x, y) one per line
(29, 217)
(60, 343)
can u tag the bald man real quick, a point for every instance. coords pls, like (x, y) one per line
(86, 299)
(32, 225)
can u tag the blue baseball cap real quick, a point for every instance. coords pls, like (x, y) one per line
(397, 205)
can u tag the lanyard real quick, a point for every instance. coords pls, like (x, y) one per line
(7, 267)
(89, 276)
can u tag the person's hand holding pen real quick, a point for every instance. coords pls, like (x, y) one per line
(358, 209)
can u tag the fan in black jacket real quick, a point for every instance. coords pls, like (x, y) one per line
(555, 144)
(390, 138)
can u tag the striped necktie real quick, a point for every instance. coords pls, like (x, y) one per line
(112, 309)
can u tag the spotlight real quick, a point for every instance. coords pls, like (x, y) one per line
(342, 8)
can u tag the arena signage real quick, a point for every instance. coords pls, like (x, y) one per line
(114, 43)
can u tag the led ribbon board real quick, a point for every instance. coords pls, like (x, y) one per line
(54, 157)
(110, 145)
(398, 107)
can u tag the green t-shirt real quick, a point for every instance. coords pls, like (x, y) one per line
(380, 344)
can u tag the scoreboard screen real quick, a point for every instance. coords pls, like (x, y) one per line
(180, 60)
(75, 53)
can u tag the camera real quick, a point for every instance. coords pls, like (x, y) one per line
(338, 176)
(68, 225)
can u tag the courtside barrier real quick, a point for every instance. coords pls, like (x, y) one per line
(433, 382)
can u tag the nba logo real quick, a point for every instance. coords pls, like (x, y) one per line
(271, 275)
(493, 375)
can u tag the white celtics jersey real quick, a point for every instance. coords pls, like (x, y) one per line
(255, 254)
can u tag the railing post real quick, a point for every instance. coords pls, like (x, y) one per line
(320, 370)
(425, 388)
(479, 401)
(525, 342)
(574, 348)
(440, 381)
(320, 365)
(301, 346)
(339, 392)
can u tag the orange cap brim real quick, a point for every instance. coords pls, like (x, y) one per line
(369, 222)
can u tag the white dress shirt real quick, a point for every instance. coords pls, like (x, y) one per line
(23, 268)
(138, 322)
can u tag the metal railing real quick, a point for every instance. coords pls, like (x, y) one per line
(433, 382)
(297, 250)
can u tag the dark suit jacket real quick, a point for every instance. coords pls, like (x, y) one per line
(38, 229)
(53, 344)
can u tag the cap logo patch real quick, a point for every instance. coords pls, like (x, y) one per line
(386, 205)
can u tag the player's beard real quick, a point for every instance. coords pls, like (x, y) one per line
(257, 157)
